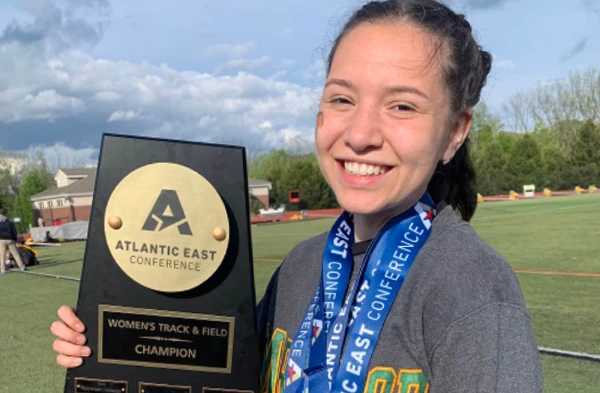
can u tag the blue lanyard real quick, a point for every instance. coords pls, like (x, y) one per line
(316, 362)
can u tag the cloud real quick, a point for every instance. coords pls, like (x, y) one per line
(575, 50)
(287, 63)
(294, 139)
(235, 66)
(55, 28)
(592, 6)
(207, 120)
(122, 115)
(266, 124)
(505, 64)
(17, 104)
(316, 70)
(52, 91)
(107, 96)
(59, 155)
(228, 50)
(484, 4)
(278, 75)
(73, 97)
(285, 32)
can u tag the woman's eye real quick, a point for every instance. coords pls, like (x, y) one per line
(340, 100)
(404, 108)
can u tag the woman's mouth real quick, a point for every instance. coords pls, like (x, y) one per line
(362, 169)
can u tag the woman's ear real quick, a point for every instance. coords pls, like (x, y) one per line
(459, 130)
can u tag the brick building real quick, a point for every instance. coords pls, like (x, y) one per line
(71, 199)
(259, 189)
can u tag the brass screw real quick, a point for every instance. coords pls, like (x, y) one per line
(115, 222)
(219, 234)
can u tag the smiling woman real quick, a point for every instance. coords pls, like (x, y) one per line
(401, 295)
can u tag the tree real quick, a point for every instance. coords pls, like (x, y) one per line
(585, 146)
(584, 158)
(482, 117)
(561, 100)
(303, 174)
(6, 195)
(491, 179)
(517, 110)
(288, 172)
(33, 183)
(555, 164)
(483, 127)
(507, 141)
(270, 167)
(525, 163)
(546, 137)
(586, 91)
(9, 180)
(39, 163)
(480, 140)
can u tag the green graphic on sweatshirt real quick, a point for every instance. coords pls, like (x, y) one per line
(379, 379)
(386, 380)
(273, 372)
(412, 381)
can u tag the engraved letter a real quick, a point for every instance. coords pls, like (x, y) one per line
(167, 211)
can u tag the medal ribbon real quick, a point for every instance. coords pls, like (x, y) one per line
(316, 363)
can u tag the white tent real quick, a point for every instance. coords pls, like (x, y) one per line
(72, 231)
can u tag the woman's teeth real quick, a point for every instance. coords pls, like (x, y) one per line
(354, 168)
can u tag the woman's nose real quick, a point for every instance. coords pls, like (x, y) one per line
(364, 130)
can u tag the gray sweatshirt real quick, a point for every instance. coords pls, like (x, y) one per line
(458, 324)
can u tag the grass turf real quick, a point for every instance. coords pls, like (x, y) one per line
(559, 233)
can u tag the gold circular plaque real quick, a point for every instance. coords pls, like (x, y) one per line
(164, 239)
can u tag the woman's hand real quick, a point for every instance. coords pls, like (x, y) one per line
(70, 339)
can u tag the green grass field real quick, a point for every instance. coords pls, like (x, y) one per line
(558, 234)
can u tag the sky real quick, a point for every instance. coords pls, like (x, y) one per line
(229, 71)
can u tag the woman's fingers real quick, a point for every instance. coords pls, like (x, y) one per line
(66, 348)
(70, 343)
(64, 332)
(67, 314)
(69, 361)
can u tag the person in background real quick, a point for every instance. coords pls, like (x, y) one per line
(8, 240)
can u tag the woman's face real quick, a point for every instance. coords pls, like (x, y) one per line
(384, 118)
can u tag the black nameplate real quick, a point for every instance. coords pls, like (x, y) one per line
(155, 338)
(158, 388)
(85, 385)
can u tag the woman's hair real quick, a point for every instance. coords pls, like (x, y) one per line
(465, 66)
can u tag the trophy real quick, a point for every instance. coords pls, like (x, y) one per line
(167, 286)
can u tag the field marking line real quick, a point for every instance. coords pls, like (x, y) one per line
(549, 272)
(558, 273)
(569, 354)
(33, 273)
(310, 234)
(502, 215)
(553, 272)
